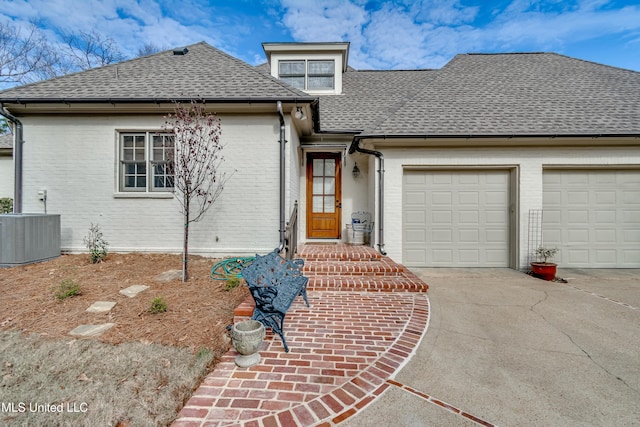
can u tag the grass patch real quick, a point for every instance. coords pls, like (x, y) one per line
(158, 305)
(232, 282)
(135, 383)
(68, 288)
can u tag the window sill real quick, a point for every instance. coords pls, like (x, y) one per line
(141, 195)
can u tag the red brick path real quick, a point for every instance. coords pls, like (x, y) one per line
(367, 316)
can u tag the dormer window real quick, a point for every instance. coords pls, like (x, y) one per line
(308, 74)
(315, 68)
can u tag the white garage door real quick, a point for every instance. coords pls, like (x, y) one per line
(456, 218)
(593, 217)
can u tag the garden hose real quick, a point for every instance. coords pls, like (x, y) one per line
(230, 268)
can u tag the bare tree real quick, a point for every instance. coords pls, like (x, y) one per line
(27, 56)
(22, 53)
(149, 49)
(198, 180)
(86, 50)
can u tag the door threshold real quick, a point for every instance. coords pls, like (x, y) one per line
(323, 241)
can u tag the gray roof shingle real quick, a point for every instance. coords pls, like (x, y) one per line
(521, 94)
(369, 97)
(204, 72)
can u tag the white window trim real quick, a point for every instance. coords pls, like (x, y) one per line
(149, 191)
(306, 61)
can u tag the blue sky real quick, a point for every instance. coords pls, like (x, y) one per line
(398, 34)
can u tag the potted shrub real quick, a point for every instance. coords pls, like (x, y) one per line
(545, 270)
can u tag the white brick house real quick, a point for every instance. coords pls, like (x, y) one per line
(474, 154)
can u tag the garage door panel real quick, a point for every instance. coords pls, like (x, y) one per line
(441, 236)
(578, 197)
(469, 217)
(496, 236)
(415, 198)
(415, 256)
(605, 216)
(415, 236)
(631, 217)
(631, 256)
(468, 198)
(442, 257)
(605, 256)
(469, 236)
(415, 217)
(466, 218)
(442, 217)
(469, 256)
(593, 217)
(441, 198)
(631, 236)
(607, 235)
(495, 217)
(606, 197)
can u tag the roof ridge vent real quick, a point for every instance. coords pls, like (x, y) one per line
(182, 51)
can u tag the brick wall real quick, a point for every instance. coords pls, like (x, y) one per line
(74, 159)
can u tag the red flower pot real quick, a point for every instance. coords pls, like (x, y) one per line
(544, 270)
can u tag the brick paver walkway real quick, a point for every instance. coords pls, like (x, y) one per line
(362, 326)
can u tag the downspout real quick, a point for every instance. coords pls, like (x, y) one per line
(355, 146)
(17, 156)
(282, 176)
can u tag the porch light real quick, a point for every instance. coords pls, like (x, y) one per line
(356, 171)
(300, 115)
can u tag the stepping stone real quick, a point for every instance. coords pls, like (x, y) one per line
(134, 290)
(168, 276)
(101, 307)
(91, 330)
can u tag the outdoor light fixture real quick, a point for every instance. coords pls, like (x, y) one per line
(356, 171)
(300, 115)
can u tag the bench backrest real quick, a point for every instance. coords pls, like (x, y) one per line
(274, 281)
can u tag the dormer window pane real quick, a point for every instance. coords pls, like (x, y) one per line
(292, 68)
(297, 82)
(323, 68)
(320, 82)
(292, 73)
(321, 75)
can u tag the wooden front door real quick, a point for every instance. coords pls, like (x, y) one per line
(324, 198)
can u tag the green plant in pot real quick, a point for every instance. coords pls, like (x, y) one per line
(544, 269)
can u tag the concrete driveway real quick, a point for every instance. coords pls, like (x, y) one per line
(513, 350)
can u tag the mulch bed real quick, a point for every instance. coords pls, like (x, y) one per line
(197, 316)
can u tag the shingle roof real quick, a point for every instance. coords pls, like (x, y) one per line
(369, 97)
(204, 72)
(521, 94)
(6, 140)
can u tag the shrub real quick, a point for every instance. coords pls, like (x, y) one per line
(6, 205)
(546, 253)
(96, 244)
(68, 288)
(158, 305)
(231, 282)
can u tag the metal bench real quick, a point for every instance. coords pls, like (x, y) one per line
(274, 283)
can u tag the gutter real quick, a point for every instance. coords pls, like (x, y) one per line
(355, 146)
(282, 176)
(17, 156)
(25, 101)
